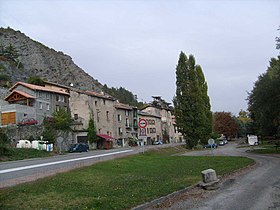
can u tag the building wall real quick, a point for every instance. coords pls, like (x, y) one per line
(20, 110)
(166, 120)
(80, 110)
(104, 115)
(46, 103)
(153, 129)
(83, 106)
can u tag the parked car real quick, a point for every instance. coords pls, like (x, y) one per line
(80, 147)
(211, 146)
(158, 142)
(28, 121)
(222, 143)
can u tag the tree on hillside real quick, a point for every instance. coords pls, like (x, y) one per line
(191, 102)
(35, 80)
(225, 123)
(123, 95)
(264, 101)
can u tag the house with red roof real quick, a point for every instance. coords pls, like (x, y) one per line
(28, 101)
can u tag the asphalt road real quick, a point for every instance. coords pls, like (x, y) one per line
(257, 189)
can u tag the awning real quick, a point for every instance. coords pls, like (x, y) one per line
(106, 137)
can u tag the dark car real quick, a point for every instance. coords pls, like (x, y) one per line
(211, 146)
(80, 147)
(28, 121)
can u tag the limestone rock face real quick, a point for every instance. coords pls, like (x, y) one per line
(37, 59)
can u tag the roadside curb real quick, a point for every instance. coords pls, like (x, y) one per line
(161, 199)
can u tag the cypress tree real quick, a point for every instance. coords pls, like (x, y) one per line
(91, 135)
(191, 103)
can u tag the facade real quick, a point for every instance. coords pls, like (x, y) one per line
(161, 108)
(126, 124)
(153, 131)
(32, 101)
(87, 104)
(115, 123)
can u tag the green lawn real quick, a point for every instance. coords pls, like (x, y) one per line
(266, 149)
(117, 184)
(23, 153)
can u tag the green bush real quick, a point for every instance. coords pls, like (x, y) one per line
(4, 77)
(4, 140)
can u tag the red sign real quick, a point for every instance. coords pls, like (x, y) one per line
(142, 123)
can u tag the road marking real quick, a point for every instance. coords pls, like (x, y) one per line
(59, 162)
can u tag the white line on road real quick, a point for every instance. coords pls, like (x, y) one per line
(62, 161)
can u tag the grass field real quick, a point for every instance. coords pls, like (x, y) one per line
(117, 184)
(23, 153)
(266, 149)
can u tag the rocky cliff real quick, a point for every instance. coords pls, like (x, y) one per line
(35, 59)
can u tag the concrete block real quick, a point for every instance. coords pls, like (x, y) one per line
(210, 181)
(209, 175)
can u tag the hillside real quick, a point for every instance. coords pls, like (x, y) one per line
(31, 58)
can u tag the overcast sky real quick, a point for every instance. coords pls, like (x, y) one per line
(136, 44)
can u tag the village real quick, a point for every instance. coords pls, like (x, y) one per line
(25, 106)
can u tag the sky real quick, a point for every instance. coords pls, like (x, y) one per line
(136, 43)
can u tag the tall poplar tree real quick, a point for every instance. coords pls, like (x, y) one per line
(191, 103)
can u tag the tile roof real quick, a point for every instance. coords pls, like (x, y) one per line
(21, 93)
(123, 106)
(148, 114)
(37, 87)
(99, 95)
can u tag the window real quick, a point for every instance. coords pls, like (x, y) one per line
(119, 118)
(135, 113)
(57, 108)
(40, 105)
(47, 95)
(107, 115)
(126, 122)
(99, 130)
(48, 106)
(40, 94)
(104, 102)
(76, 116)
(95, 103)
(120, 131)
(98, 115)
(61, 98)
(126, 113)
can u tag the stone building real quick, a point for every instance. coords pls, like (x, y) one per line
(28, 101)
(153, 131)
(163, 109)
(126, 124)
(98, 106)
